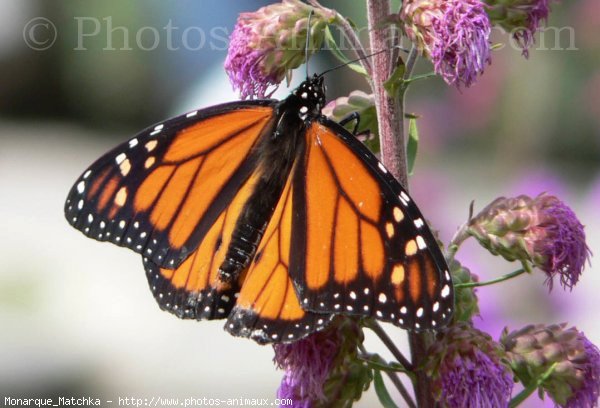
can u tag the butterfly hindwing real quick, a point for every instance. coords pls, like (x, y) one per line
(161, 192)
(359, 244)
(268, 308)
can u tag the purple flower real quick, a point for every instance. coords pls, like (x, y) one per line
(562, 243)
(467, 369)
(454, 34)
(543, 231)
(307, 364)
(244, 64)
(521, 18)
(324, 369)
(475, 381)
(267, 44)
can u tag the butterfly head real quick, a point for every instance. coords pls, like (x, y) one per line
(311, 96)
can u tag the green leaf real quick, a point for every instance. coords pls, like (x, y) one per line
(358, 69)
(396, 81)
(382, 392)
(413, 144)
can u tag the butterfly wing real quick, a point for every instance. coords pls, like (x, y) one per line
(160, 193)
(193, 290)
(268, 309)
(359, 245)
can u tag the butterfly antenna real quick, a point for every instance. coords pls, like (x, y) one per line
(307, 41)
(359, 59)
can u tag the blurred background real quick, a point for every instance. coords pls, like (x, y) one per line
(76, 316)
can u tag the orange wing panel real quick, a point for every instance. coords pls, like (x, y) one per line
(174, 193)
(151, 188)
(216, 169)
(321, 200)
(351, 173)
(346, 244)
(267, 289)
(204, 136)
(201, 269)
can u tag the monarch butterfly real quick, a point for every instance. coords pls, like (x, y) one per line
(269, 215)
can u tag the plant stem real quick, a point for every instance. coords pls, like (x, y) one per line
(378, 330)
(390, 117)
(398, 384)
(491, 282)
(523, 395)
(351, 36)
(389, 110)
(396, 381)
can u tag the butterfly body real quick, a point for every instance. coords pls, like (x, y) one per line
(267, 214)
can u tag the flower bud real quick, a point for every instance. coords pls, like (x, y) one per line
(541, 230)
(361, 103)
(575, 379)
(465, 299)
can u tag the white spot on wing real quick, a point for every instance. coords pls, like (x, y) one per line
(81, 187)
(120, 158)
(445, 291)
(382, 167)
(133, 143)
(421, 242)
(191, 114)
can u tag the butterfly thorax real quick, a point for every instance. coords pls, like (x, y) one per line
(308, 98)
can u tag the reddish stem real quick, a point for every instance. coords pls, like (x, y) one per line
(389, 110)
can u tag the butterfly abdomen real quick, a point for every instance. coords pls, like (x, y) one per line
(276, 154)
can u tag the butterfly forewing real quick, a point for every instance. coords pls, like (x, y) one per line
(360, 246)
(161, 192)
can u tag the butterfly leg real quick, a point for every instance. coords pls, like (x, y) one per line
(354, 116)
